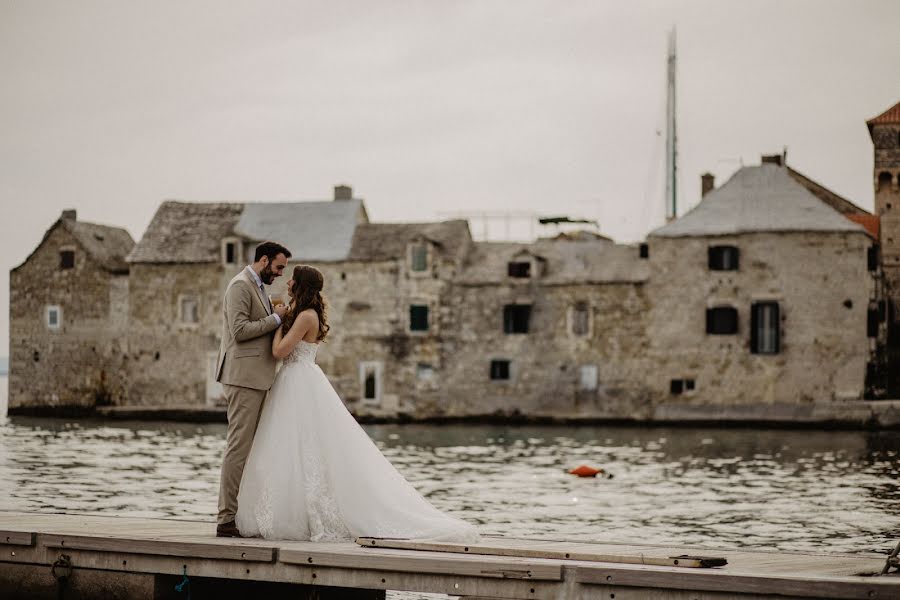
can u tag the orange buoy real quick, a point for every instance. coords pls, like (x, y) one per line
(586, 471)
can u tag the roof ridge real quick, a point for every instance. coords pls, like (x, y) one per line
(890, 116)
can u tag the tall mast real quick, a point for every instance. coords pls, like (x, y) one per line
(671, 137)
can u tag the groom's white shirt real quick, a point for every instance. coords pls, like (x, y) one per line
(259, 284)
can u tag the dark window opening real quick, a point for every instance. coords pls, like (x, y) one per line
(418, 317)
(644, 251)
(848, 304)
(369, 391)
(722, 320)
(765, 328)
(723, 258)
(519, 269)
(676, 386)
(872, 257)
(872, 321)
(230, 252)
(689, 385)
(36, 356)
(67, 259)
(499, 369)
(515, 318)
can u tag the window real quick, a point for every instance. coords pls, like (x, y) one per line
(764, 328)
(722, 320)
(723, 258)
(53, 317)
(418, 317)
(681, 386)
(644, 251)
(189, 310)
(424, 372)
(587, 378)
(499, 370)
(873, 318)
(418, 257)
(872, 257)
(370, 381)
(230, 253)
(580, 319)
(66, 259)
(519, 269)
(515, 318)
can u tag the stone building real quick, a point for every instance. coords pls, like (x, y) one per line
(179, 271)
(767, 299)
(760, 297)
(885, 133)
(68, 318)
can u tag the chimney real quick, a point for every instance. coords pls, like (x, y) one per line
(69, 215)
(772, 159)
(707, 184)
(343, 192)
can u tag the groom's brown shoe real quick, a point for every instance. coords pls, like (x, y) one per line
(228, 529)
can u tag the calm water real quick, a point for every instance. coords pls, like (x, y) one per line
(796, 490)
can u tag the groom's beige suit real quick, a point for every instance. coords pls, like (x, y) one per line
(246, 369)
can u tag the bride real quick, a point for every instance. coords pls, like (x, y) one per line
(312, 472)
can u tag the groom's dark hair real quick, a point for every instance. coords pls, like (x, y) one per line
(270, 249)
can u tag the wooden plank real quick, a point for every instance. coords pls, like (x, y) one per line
(161, 546)
(536, 551)
(862, 588)
(410, 562)
(17, 538)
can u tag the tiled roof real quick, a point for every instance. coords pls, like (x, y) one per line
(186, 232)
(890, 116)
(312, 231)
(108, 245)
(388, 241)
(871, 222)
(564, 261)
(756, 199)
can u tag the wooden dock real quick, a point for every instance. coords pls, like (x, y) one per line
(134, 558)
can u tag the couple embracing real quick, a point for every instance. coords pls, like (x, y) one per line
(297, 466)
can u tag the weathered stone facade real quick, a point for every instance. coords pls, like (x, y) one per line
(67, 318)
(426, 323)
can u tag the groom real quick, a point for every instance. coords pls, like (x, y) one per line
(246, 367)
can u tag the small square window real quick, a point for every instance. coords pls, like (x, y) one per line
(499, 370)
(722, 320)
(516, 317)
(644, 251)
(519, 269)
(424, 372)
(67, 259)
(53, 317)
(587, 378)
(676, 386)
(723, 258)
(418, 257)
(689, 385)
(418, 317)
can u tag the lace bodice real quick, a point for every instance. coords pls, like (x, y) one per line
(303, 352)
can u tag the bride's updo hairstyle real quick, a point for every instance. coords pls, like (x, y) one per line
(307, 293)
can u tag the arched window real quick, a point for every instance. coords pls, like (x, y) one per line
(884, 180)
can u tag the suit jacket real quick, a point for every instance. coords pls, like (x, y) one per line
(245, 353)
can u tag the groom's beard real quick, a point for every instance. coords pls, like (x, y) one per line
(267, 275)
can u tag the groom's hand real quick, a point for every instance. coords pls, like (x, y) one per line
(281, 310)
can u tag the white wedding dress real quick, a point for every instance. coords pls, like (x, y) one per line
(314, 474)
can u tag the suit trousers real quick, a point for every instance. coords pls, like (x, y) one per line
(244, 409)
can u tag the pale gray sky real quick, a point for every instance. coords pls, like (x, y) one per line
(424, 106)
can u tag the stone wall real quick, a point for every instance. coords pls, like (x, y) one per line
(822, 285)
(80, 363)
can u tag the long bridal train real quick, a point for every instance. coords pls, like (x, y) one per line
(314, 474)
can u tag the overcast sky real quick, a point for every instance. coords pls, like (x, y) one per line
(425, 107)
